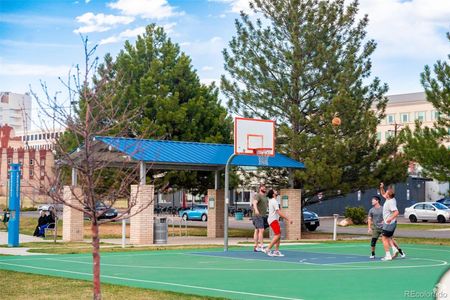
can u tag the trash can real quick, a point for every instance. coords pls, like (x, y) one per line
(160, 231)
(283, 231)
(239, 216)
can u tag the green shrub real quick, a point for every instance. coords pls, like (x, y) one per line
(357, 214)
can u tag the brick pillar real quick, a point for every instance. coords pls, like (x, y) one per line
(293, 198)
(141, 225)
(72, 219)
(215, 214)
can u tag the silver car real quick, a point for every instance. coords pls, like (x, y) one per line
(433, 211)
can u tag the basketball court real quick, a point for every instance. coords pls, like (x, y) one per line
(313, 271)
(307, 271)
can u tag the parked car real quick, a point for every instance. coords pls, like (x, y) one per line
(310, 219)
(109, 212)
(445, 201)
(427, 211)
(47, 206)
(196, 212)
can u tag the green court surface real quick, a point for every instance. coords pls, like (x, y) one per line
(314, 271)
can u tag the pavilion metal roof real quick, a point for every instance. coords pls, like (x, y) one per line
(176, 155)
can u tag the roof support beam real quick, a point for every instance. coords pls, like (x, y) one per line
(216, 180)
(227, 201)
(142, 172)
(291, 178)
(74, 177)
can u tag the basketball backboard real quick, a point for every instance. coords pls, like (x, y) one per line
(254, 136)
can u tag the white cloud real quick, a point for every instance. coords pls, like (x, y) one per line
(236, 6)
(168, 28)
(147, 9)
(110, 40)
(207, 68)
(208, 81)
(11, 69)
(185, 44)
(216, 39)
(413, 29)
(129, 33)
(100, 22)
(87, 1)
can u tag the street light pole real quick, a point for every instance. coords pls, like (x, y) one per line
(227, 200)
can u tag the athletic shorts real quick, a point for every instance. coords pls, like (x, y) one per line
(389, 229)
(376, 232)
(258, 222)
(275, 225)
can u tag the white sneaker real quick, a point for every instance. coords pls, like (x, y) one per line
(395, 253)
(386, 258)
(278, 253)
(257, 249)
(372, 257)
(265, 250)
(403, 254)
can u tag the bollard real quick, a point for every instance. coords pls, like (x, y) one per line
(336, 216)
(124, 232)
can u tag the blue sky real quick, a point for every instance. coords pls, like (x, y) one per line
(39, 39)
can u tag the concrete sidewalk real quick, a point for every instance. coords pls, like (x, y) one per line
(4, 249)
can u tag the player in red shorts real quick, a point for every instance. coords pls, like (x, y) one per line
(274, 215)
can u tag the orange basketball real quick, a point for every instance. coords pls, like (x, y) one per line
(336, 121)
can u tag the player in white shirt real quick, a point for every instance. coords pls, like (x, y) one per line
(274, 216)
(390, 213)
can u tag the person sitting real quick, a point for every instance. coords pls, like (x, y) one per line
(5, 218)
(42, 224)
(51, 218)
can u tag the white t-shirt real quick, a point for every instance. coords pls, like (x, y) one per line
(273, 210)
(388, 209)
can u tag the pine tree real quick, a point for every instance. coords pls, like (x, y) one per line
(302, 63)
(157, 80)
(426, 145)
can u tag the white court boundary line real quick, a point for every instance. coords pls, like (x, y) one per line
(157, 282)
(344, 268)
(157, 253)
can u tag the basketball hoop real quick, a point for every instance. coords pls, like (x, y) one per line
(263, 156)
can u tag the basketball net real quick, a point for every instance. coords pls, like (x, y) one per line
(263, 156)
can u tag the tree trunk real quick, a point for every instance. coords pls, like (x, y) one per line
(97, 294)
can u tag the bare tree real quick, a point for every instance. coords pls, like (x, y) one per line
(101, 176)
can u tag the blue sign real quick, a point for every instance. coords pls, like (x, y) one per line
(14, 205)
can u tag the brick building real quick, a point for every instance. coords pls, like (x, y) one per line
(37, 163)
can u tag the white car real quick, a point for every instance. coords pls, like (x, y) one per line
(46, 207)
(433, 211)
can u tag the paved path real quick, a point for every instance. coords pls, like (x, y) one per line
(17, 250)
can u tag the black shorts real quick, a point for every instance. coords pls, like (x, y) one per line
(389, 229)
(387, 233)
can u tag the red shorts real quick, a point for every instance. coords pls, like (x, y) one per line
(275, 225)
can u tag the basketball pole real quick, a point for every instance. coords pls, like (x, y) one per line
(227, 201)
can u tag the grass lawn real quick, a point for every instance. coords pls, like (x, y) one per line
(23, 286)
